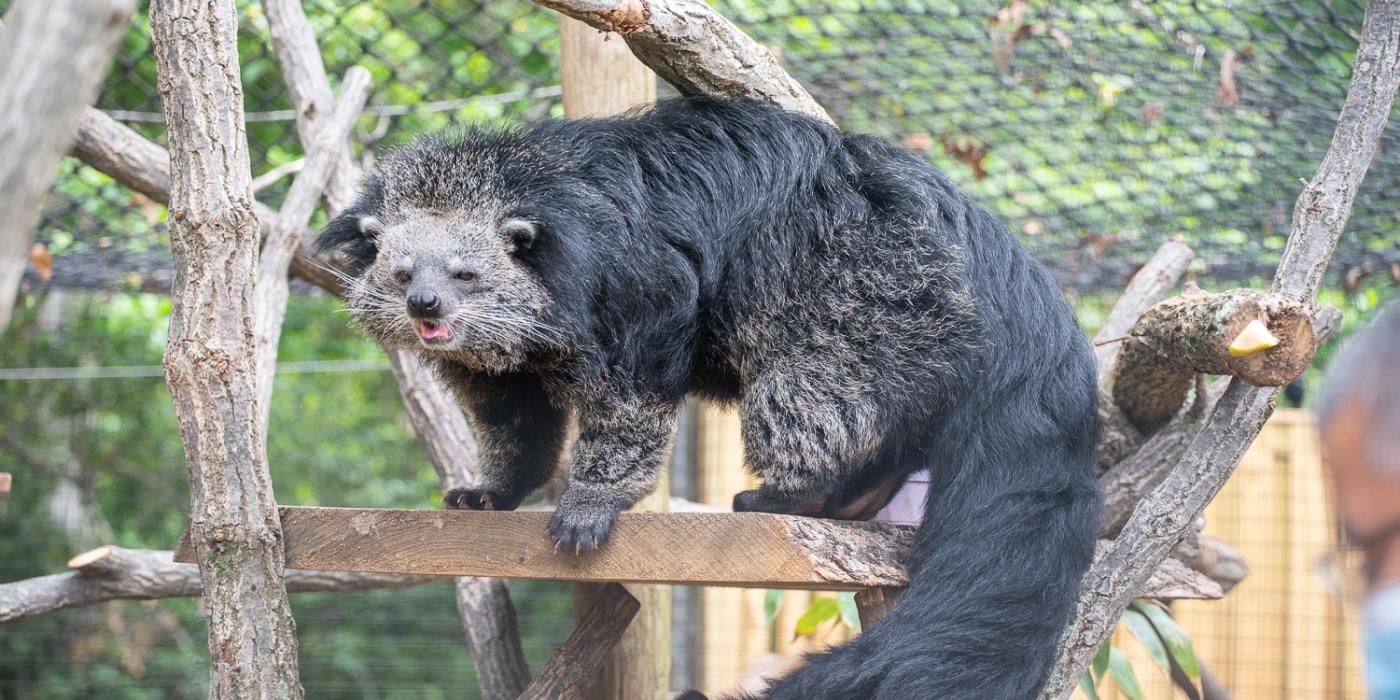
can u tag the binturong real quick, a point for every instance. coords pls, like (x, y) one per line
(867, 320)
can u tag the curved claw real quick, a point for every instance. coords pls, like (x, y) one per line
(582, 525)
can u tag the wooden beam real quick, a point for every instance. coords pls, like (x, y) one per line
(571, 672)
(720, 549)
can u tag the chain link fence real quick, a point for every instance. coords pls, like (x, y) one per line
(1094, 129)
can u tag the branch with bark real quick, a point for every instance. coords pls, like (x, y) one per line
(209, 357)
(694, 48)
(1201, 333)
(1319, 218)
(52, 60)
(327, 139)
(115, 573)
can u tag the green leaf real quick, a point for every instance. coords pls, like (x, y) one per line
(772, 601)
(1178, 642)
(1142, 629)
(850, 614)
(1123, 675)
(1100, 662)
(821, 610)
(1086, 684)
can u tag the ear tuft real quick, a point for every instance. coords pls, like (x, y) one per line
(521, 233)
(356, 235)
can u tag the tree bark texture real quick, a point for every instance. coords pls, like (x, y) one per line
(52, 60)
(1319, 217)
(209, 357)
(113, 573)
(1191, 333)
(571, 671)
(695, 49)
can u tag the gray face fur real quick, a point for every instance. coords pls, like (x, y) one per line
(489, 307)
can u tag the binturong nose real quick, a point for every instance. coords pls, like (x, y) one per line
(424, 303)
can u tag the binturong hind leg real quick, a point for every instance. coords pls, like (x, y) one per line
(811, 439)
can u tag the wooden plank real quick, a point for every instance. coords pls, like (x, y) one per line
(719, 549)
(570, 673)
(697, 548)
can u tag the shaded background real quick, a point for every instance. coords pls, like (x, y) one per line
(1094, 130)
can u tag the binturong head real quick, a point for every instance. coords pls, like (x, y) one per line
(441, 263)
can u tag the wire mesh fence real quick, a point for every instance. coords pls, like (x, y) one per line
(1093, 129)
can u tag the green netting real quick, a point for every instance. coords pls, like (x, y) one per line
(1094, 129)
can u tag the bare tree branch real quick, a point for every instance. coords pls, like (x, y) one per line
(283, 237)
(51, 62)
(209, 357)
(1149, 285)
(114, 573)
(133, 160)
(304, 74)
(695, 49)
(1318, 221)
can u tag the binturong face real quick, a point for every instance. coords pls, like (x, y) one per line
(452, 283)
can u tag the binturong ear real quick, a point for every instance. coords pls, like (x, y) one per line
(356, 235)
(522, 234)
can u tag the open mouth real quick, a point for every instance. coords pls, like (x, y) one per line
(434, 331)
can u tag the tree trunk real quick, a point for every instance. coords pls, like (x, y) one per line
(210, 356)
(52, 60)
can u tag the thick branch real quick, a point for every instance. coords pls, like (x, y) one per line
(304, 73)
(52, 60)
(695, 49)
(113, 573)
(283, 237)
(573, 669)
(209, 357)
(1318, 220)
(1193, 333)
(132, 160)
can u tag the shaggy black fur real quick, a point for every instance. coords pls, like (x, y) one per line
(867, 318)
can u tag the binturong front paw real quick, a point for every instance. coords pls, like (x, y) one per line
(476, 499)
(585, 518)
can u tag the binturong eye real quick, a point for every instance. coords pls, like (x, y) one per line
(403, 276)
(465, 275)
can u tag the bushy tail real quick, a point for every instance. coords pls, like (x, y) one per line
(994, 576)
(1008, 533)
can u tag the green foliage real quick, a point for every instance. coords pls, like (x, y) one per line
(821, 610)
